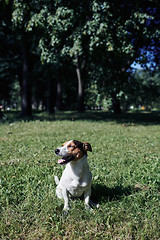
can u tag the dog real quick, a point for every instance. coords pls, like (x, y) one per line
(76, 179)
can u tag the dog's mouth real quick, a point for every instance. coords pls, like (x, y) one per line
(66, 160)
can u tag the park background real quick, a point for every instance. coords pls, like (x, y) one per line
(89, 71)
(58, 55)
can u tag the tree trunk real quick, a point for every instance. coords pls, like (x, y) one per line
(80, 87)
(50, 96)
(59, 93)
(116, 104)
(26, 108)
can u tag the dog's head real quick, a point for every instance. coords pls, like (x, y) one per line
(72, 151)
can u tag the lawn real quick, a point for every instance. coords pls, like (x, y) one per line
(125, 164)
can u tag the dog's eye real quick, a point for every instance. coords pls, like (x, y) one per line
(70, 146)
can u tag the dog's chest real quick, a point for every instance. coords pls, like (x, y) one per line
(76, 182)
(77, 187)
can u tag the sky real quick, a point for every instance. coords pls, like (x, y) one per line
(149, 55)
(137, 66)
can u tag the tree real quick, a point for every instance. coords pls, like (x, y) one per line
(96, 35)
(9, 58)
(20, 16)
(147, 91)
(96, 40)
(62, 24)
(120, 35)
(28, 40)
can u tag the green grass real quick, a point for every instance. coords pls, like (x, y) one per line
(125, 164)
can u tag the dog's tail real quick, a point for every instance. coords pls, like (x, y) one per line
(56, 179)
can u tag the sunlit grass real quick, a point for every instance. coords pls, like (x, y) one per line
(125, 164)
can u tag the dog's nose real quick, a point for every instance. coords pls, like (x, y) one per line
(57, 151)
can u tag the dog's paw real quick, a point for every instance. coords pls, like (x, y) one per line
(93, 204)
(88, 208)
(65, 212)
(66, 208)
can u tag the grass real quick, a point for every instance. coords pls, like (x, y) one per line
(125, 164)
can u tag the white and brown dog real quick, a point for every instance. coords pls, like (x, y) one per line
(76, 179)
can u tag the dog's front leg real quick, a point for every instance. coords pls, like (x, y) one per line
(66, 199)
(87, 195)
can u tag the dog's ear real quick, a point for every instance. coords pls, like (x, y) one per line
(87, 147)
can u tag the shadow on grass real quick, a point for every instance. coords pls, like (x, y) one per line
(103, 193)
(127, 119)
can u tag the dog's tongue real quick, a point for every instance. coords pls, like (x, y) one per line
(62, 161)
(65, 160)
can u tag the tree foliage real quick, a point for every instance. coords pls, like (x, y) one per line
(147, 91)
(94, 42)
